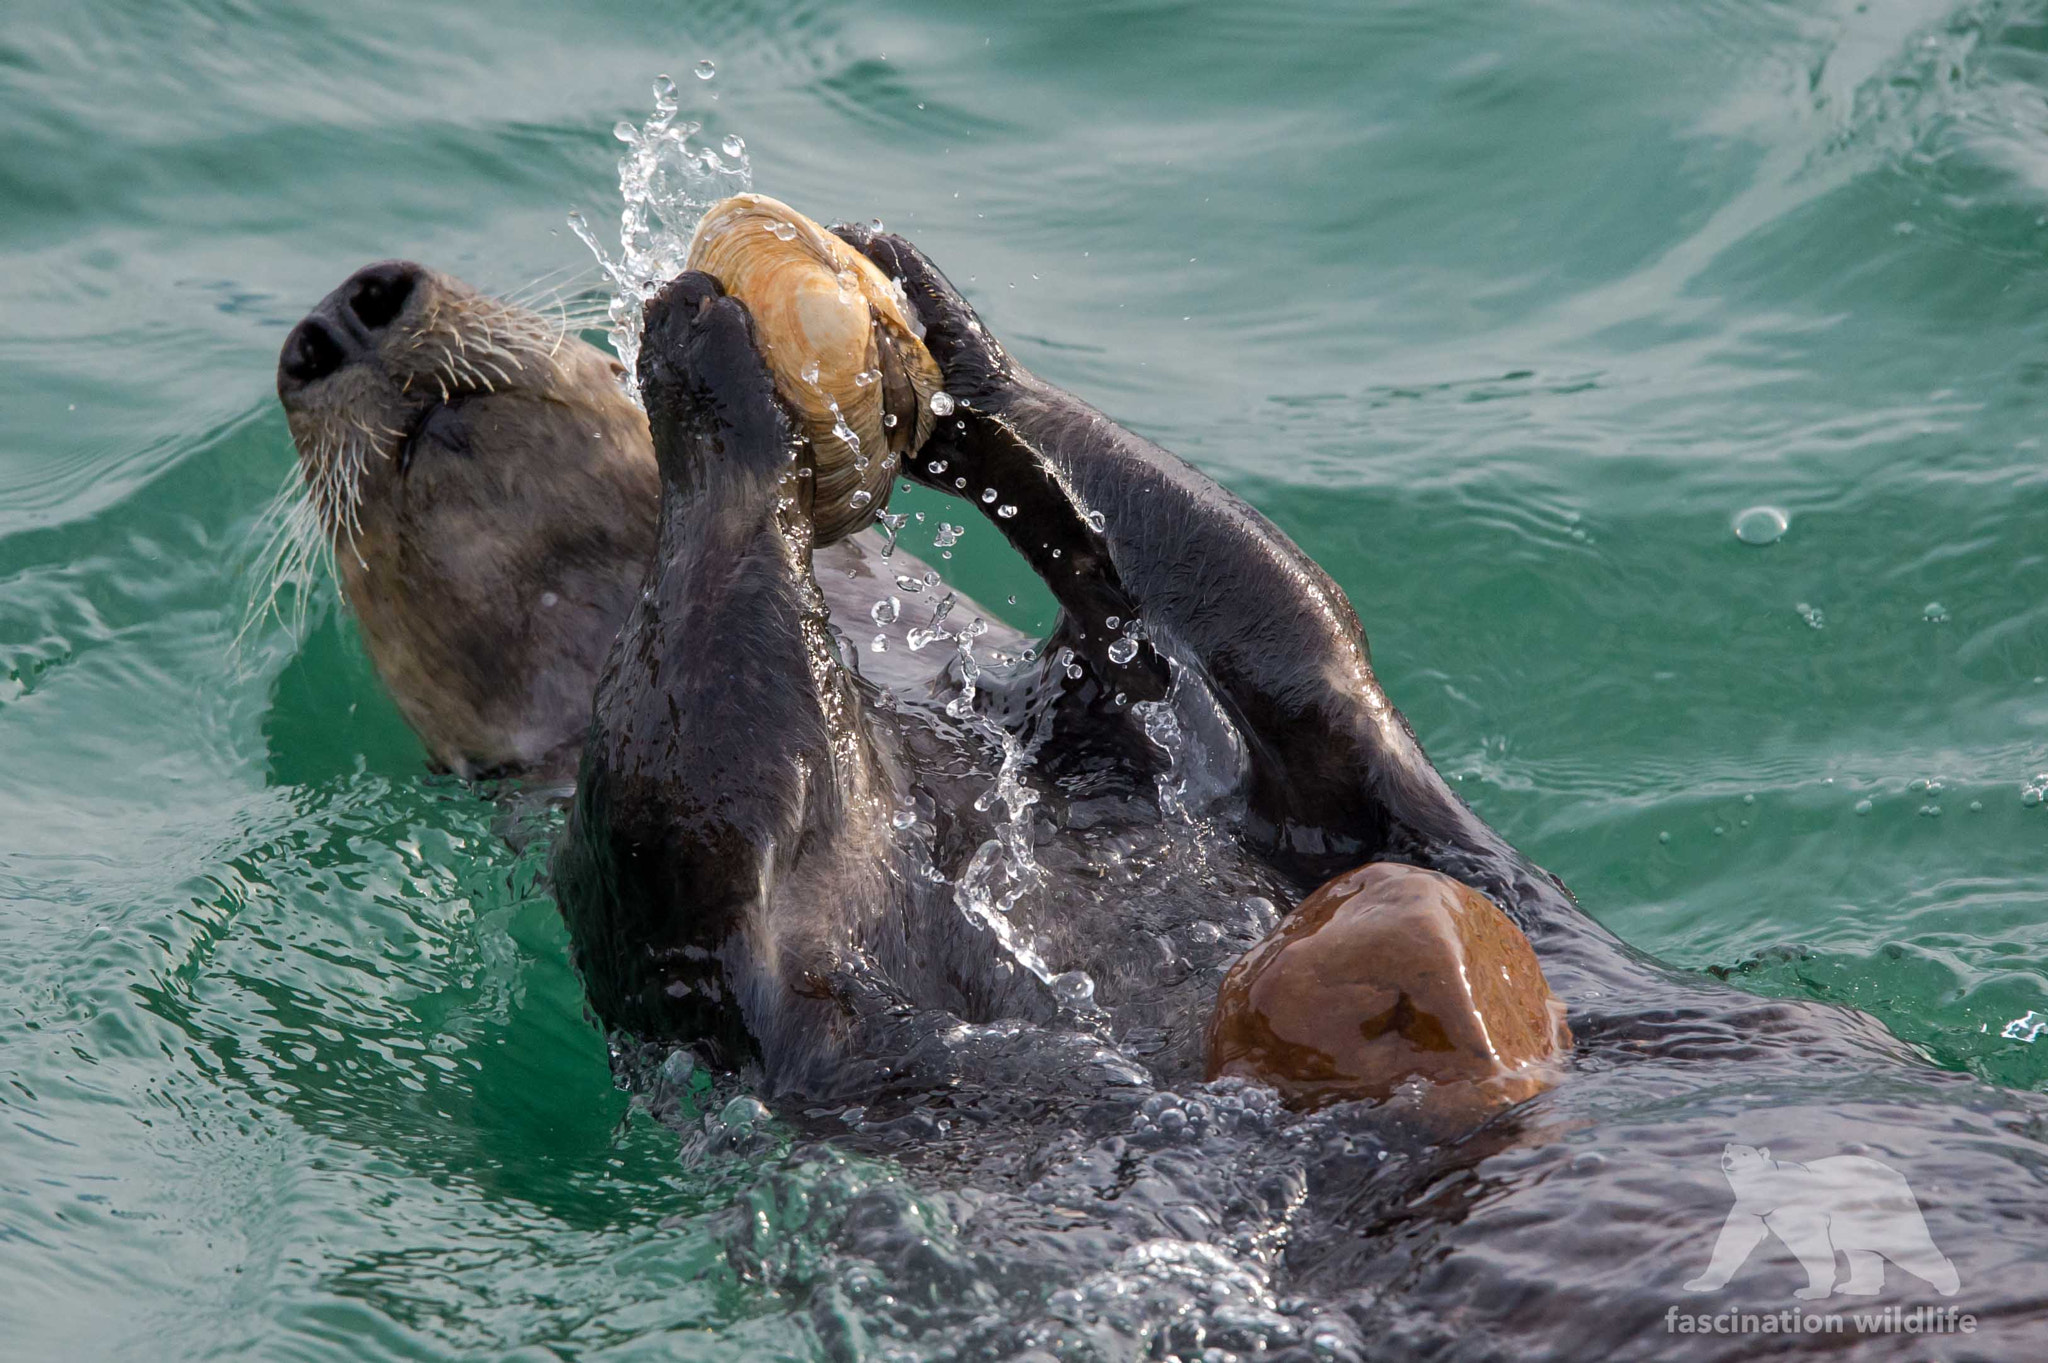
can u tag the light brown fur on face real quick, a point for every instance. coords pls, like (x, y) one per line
(491, 496)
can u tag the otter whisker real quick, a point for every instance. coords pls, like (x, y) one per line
(293, 550)
(553, 282)
(498, 369)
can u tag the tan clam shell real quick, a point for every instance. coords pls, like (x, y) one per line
(818, 302)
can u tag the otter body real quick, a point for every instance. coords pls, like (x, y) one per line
(851, 884)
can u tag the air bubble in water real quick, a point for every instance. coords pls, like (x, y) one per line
(942, 404)
(1761, 525)
(1935, 613)
(706, 69)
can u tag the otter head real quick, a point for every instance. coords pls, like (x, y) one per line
(490, 495)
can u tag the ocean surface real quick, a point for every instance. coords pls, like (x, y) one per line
(1506, 313)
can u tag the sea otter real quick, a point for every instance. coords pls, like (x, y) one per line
(856, 892)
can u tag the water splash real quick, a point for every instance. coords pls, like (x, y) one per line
(1004, 868)
(666, 183)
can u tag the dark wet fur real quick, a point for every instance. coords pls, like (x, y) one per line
(733, 880)
(1052, 1146)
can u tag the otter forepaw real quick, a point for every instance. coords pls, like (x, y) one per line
(702, 376)
(975, 365)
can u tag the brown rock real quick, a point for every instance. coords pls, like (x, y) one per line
(1388, 974)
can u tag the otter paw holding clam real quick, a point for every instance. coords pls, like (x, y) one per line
(840, 342)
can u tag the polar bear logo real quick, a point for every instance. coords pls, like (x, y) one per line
(1848, 1203)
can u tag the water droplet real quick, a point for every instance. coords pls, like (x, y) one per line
(1097, 519)
(880, 645)
(860, 499)
(783, 231)
(866, 377)
(1761, 525)
(988, 496)
(1123, 650)
(809, 373)
(1112, 621)
(942, 404)
(1074, 989)
(1664, 837)
(886, 610)
(1006, 511)
(889, 420)
(1935, 613)
(733, 145)
(938, 466)
(705, 69)
(903, 818)
(741, 1113)
(1863, 806)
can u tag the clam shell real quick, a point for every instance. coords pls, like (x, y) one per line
(840, 342)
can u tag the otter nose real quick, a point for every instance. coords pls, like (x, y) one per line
(347, 323)
(376, 293)
(310, 353)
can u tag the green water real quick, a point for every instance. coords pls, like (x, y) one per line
(1503, 311)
